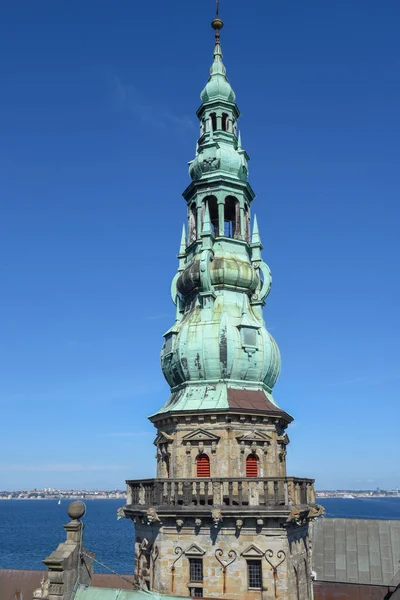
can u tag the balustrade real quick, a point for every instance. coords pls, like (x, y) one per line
(262, 491)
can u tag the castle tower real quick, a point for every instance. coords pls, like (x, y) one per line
(222, 518)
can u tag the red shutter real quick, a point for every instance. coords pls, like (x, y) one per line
(251, 466)
(203, 466)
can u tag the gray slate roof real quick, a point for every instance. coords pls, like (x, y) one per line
(357, 551)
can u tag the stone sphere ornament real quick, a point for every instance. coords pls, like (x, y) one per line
(76, 510)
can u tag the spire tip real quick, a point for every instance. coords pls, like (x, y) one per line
(217, 24)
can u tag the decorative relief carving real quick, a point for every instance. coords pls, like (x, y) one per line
(216, 515)
(195, 550)
(201, 435)
(280, 557)
(225, 563)
(179, 552)
(211, 163)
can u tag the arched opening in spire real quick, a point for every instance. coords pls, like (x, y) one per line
(202, 127)
(246, 222)
(202, 465)
(232, 217)
(213, 118)
(252, 465)
(213, 209)
(225, 122)
(192, 223)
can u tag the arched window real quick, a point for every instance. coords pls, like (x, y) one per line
(192, 223)
(213, 118)
(231, 217)
(202, 466)
(246, 223)
(252, 466)
(202, 127)
(225, 122)
(213, 209)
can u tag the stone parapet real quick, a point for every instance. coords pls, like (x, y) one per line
(231, 493)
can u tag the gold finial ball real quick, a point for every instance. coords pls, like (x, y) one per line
(217, 24)
(76, 510)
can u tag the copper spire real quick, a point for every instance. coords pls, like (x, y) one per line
(217, 24)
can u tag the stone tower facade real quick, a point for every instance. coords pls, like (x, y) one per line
(221, 518)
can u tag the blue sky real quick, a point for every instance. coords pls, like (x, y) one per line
(97, 121)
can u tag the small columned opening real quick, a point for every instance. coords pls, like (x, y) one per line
(231, 217)
(213, 210)
(192, 223)
(202, 466)
(213, 118)
(225, 122)
(252, 466)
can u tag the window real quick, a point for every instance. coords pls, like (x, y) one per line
(252, 466)
(202, 466)
(196, 569)
(254, 574)
(225, 122)
(249, 336)
(196, 592)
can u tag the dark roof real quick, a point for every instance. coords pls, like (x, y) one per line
(255, 400)
(19, 583)
(24, 582)
(357, 551)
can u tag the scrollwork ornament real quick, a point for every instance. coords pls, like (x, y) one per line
(281, 557)
(179, 552)
(225, 563)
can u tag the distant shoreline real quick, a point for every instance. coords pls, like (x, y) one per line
(69, 498)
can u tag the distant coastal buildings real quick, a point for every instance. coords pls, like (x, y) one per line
(378, 493)
(53, 494)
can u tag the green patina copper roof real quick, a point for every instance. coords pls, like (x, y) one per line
(218, 355)
(95, 593)
(217, 87)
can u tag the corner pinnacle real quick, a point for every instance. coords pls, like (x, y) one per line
(255, 238)
(182, 246)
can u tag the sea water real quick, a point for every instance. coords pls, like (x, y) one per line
(31, 529)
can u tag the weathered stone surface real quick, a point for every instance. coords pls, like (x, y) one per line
(287, 550)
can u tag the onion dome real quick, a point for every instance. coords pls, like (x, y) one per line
(233, 346)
